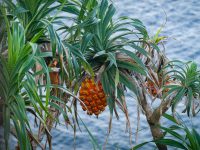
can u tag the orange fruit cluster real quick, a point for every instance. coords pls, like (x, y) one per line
(92, 96)
(151, 87)
(54, 76)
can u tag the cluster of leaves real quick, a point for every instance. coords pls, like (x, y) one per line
(26, 24)
(18, 87)
(181, 136)
(103, 45)
(186, 85)
(178, 136)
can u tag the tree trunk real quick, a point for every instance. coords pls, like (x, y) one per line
(157, 134)
(153, 117)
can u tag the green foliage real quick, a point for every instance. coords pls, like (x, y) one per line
(182, 136)
(103, 46)
(178, 136)
(186, 85)
(31, 15)
(19, 89)
(17, 83)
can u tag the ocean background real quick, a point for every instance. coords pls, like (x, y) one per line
(182, 27)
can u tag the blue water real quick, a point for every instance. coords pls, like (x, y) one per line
(183, 31)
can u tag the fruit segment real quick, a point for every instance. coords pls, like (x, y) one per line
(151, 87)
(92, 96)
(54, 76)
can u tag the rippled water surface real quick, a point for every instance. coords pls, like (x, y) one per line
(183, 30)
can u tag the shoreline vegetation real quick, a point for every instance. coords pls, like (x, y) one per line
(48, 67)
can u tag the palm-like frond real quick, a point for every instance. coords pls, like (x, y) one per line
(13, 76)
(30, 14)
(106, 48)
(188, 140)
(19, 90)
(186, 77)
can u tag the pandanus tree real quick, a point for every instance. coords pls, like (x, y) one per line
(48, 67)
(176, 82)
(21, 55)
(103, 45)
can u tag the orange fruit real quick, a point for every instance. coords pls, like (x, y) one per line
(151, 87)
(54, 76)
(92, 96)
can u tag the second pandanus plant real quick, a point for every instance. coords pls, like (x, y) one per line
(18, 88)
(22, 92)
(169, 81)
